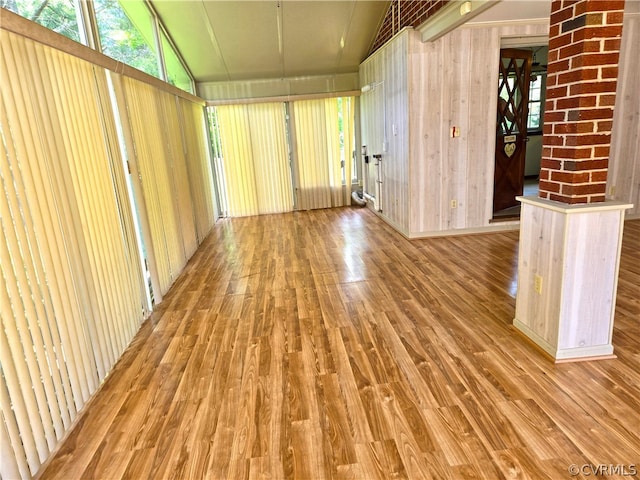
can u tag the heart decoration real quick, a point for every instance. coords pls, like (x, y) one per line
(509, 148)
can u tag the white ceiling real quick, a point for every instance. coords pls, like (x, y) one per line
(227, 40)
(243, 40)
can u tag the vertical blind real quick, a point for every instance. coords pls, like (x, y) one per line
(72, 290)
(319, 154)
(159, 174)
(255, 159)
(70, 301)
(198, 165)
(180, 183)
(256, 169)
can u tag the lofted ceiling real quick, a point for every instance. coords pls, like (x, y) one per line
(244, 40)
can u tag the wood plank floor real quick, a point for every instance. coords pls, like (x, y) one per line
(322, 344)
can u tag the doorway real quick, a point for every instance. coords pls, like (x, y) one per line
(521, 93)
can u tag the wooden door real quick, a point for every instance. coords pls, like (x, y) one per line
(511, 131)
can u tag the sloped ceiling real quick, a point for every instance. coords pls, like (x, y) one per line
(245, 40)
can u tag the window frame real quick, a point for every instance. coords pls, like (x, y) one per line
(89, 35)
(542, 76)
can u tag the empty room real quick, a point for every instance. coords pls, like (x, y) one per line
(286, 239)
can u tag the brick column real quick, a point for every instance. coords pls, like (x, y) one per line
(570, 236)
(584, 45)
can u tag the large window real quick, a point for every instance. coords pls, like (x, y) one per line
(57, 15)
(127, 34)
(277, 157)
(176, 73)
(127, 31)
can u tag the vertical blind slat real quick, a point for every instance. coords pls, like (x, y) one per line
(11, 465)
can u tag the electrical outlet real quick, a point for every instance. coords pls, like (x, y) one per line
(612, 190)
(538, 284)
(454, 204)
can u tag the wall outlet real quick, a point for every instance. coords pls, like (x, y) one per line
(538, 284)
(454, 204)
(612, 190)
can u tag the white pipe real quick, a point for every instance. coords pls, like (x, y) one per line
(358, 200)
(378, 186)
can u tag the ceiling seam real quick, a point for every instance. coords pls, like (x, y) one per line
(280, 27)
(345, 34)
(214, 40)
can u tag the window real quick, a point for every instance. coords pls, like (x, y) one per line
(347, 139)
(537, 85)
(57, 15)
(536, 88)
(254, 172)
(176, 73)
(126, 34)
(259, 169)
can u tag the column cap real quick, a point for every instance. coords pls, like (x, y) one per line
(579, 208)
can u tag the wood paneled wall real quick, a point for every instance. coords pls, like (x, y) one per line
(431, 87)
(559, 305)
(623, 182)
(385, 113)
(453, 85)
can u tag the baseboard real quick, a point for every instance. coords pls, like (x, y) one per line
(506, 226)
(564, 355)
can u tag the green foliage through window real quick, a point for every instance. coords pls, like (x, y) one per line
(126, 34)
(126, 31)
(176, 73)
(57, 15)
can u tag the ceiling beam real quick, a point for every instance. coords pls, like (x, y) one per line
(452, 15)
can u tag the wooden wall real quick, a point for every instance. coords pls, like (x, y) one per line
(386, 106)
(623, 182)
(565, 311)
(453, 84)
(431, 87)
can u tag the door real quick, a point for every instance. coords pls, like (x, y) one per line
(511, 131)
